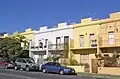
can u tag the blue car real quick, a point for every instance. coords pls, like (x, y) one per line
(56, 68)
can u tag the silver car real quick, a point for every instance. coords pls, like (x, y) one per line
(25, 64)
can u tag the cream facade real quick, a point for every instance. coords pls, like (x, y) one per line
(96, 37)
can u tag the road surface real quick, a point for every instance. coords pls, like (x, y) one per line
(13, 74)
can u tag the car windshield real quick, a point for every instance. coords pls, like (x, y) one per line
(30, 61)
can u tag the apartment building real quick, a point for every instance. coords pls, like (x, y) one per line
(49, 42)
(96, 37)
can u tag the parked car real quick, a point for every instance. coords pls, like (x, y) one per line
(4, 63)
(26, 64)
(57, 68)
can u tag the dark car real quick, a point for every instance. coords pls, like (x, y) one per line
(57, 68)
(26, 64)
(4, 63)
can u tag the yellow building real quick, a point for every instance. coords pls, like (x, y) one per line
(96, 37)
(28, 33)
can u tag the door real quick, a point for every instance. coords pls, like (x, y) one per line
(81, 40)
(23, 63)
(3, 62)
(66, 46)
(94, 66)
(58, 41)
(55, 67)
(50, 67)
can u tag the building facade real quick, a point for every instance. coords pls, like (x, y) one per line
(49, 42)
(28, 33)
(96, 37)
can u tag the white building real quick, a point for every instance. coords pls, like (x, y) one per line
(51, 41)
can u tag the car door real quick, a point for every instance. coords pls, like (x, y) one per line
(52, 67)
(55, 67)
(49, 67)
(1, 62)
(23, 63)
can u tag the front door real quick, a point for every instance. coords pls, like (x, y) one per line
(94, 66)
(66, 46)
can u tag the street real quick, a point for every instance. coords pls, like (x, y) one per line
(13, 74)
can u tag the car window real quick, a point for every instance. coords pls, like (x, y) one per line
(56, 64)
(50, 63)
(23, 61)
(18, 60)
(3, 60)
(30, 61)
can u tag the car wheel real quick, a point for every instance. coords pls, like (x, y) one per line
(44, 70)
(61, 72)
(15, 67)
(27, 69)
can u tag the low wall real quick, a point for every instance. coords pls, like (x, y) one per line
(109, 70)
(78, 68)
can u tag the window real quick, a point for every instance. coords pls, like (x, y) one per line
(111, 37)
(23, 61)
(92, 40)
(18, 60)
(50, 63)
(84, 58)
(46, 40)
(30, 61)
(81, 40)
(58, 41)
(40, 44)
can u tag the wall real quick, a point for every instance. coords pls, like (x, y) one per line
(83, 30)
(78, 68)
(109, 70)
(51, 35)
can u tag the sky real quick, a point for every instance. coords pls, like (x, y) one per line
(18, 15)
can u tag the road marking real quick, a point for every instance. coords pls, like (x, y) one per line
(19, 76)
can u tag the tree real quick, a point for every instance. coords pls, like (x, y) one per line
(10, 48)
(22, 39)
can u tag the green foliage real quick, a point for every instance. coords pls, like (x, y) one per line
(55, 58)
(73, 61)
(52, 58)
(10, 48)
(48, 58)
(22, 39)
(111, 61)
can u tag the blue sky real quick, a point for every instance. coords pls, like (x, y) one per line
(17, 15)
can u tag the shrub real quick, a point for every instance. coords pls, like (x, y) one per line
(73, 62)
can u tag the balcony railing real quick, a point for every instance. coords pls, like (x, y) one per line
(107, 43)
(56, 46)
(104, 40)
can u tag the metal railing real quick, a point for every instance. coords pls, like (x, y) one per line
(56, 46)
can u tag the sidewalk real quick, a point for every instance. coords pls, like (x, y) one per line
(99, 75)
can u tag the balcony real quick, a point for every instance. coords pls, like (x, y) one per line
(37, 48)
(105, 42)
(56, 46)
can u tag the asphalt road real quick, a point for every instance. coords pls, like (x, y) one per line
(13, 74)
